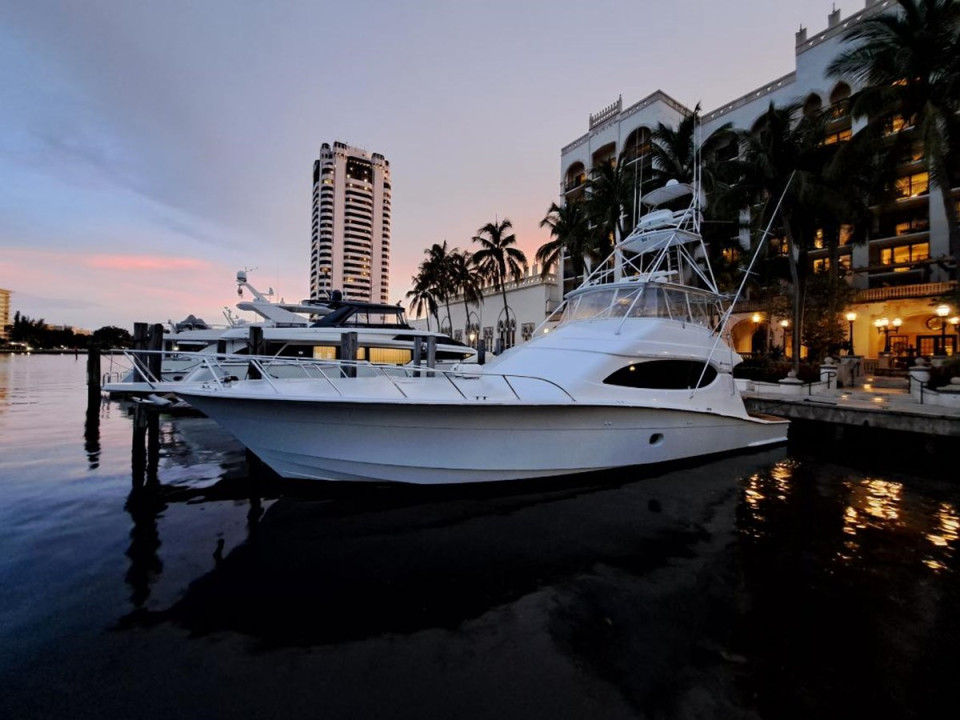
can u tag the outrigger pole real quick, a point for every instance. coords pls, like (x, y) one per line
(729, 312)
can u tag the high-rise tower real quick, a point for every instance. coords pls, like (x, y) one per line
(4, 313)
(350, 240)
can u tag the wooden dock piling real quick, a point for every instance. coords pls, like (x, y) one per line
(93, 375)
(155, 345)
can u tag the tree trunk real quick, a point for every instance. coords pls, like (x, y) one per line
(506, 316)
(793, 253)
(953, 233)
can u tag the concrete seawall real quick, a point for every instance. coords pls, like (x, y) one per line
(896, 412)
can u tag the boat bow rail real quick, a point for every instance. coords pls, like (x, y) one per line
(346, 378)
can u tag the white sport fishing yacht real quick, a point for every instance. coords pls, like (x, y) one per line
(635, 369)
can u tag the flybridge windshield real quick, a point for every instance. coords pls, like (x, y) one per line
(650, 300)
(364, 315)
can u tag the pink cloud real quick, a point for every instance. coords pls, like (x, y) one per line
(144, 262)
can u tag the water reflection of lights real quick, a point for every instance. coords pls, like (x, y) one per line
(943, 536)
(762, 488)
(873, 503)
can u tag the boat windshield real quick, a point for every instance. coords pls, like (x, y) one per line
(364, 315)
(647, 300)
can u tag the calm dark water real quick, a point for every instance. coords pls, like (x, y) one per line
(801, 582)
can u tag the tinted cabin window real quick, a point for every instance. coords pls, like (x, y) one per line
(663, 375)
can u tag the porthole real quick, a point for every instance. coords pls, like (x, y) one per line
(656, 439)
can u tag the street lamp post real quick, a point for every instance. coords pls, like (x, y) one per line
(851, 316)
(883, 325)
(757, 318)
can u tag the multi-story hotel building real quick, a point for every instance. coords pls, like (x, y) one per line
(900, 272)
(4, 313)
(350, 238)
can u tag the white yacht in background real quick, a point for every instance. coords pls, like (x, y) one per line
(312, 329)
(634, 369)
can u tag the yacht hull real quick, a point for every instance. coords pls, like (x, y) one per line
(455, 443)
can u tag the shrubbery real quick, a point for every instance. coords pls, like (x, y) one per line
(771, 370)
(940, 376)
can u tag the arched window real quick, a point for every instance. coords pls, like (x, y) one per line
(840, 101)
(637, 146)
(575, 176)
(812, 105)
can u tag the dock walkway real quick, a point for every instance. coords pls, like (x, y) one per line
(880, 402)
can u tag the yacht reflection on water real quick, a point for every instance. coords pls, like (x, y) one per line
(156, 438)
(829, 589)
(328, 563)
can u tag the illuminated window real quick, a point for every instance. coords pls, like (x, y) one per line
(896, 124)
(913, 225)
(838, 137)
(778, 246)
(904, 254)
(389, 356)
(913, 185)
(846, 234)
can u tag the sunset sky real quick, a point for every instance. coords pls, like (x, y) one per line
(148, 151)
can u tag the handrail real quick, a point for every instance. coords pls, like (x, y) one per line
(218, 367)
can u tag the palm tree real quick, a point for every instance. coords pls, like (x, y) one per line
(437, 271)
(909, 62)
(422, 298)
(609, 202)
(571, 238)
(676, 154)
(465, 283)
(785, 157)
(497, 259)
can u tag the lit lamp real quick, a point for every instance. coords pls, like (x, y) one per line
(756, 327)
(851, 316)
(942, 312)
(883, 325)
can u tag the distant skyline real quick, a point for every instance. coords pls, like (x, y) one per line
(148, 151)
